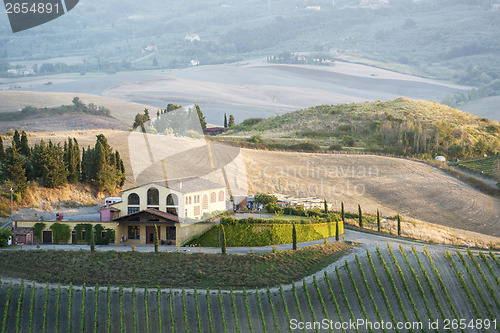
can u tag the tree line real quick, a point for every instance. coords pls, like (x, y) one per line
(53, 165)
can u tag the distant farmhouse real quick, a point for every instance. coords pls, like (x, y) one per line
(192, 37)
(172, 206)
(20, 72)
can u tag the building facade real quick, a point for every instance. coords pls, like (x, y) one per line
(171, 207)
(187, 198)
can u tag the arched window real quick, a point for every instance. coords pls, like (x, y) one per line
(221, 195)
(153, 196)
(213, 197)
(205, 202)
(172, 200)
(133, 199)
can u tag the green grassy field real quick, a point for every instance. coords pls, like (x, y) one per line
(185, 269)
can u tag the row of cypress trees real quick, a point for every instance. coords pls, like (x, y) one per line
(53, 165)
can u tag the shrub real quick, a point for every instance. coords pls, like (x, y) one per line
(262, 234)
(60, 233)
(37, 229)
(256, 139)
(265, 198)
(305, 146)
(5, 234)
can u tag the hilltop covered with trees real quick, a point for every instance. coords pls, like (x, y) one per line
(53, 165)
(78, 107)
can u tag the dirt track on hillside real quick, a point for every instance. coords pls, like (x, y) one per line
(393, 185)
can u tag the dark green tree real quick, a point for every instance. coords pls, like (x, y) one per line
(157, 241)
(223, 239)
(325, 205)
(49, 165)
(399, 225)
(101, 167)
(17, 139)
(201, 117)
(294, 237)
(342, 213)
(378, 220)
(13, 169)
(24, 148)
(265, 198)
(5, 235)
(72, 160)
(360, 216)
(92, 240)
(172, 107)
(231, 121)
(120, 169)
(2, 150)
(337, 231)
(225, 120)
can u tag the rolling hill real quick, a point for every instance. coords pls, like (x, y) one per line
(401, 126)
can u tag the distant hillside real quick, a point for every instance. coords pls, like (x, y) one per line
(401, 126)
(78, 107)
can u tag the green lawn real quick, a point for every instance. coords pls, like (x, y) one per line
(200, 270)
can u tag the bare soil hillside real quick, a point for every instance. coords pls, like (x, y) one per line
(393, 185)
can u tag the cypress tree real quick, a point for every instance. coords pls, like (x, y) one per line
(53, 169)
(72, 157)
(342, 213)
(225, 120)
(157, 242)
(360, 215)
(337, 236)
(24, 147)
(14, 170)
(2, 151)
(92, 239)
(122, 169)
(84, 171)
(399, 225)
(294, 237)
(326, 206)
(16, 139)
(378, 220)
(223, 238)
(201, 117)
(76, 149)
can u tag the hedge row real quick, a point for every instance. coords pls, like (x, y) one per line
(246, 234)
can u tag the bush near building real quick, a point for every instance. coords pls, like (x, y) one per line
(262, 232)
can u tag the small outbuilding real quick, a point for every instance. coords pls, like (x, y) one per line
(22, 235)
